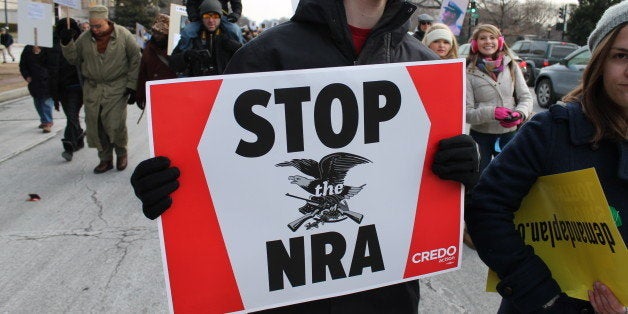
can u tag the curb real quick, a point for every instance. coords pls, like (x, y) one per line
(14, 94)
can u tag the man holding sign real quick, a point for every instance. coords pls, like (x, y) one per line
(109, 58)
(330, 33)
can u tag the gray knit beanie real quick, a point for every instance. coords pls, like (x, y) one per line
(612, 17)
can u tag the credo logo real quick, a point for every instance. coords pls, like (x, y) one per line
(443, 255)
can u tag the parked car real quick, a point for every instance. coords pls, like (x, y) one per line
(541, 53)
(555, 81)
(463, 52)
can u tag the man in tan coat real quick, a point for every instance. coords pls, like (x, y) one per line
(109, 59)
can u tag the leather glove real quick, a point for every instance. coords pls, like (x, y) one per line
(131, 93)
(457, 159)
(153, 180)
(191, 55)
(513, 120)
(66, 35)
(232, 17)
(141, 104)
(56, 105)
(502, 113)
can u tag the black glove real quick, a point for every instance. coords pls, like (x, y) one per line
(153, 180)
(192, 55)
(232, 17)
(56, 105)
(141, 105)
(457, 159)
(66, 35)
(131, 93)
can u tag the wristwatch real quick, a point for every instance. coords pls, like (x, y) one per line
(551, 302)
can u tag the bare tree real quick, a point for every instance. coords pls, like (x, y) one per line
(515, 18)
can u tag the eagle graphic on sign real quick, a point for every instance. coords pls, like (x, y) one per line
(328, 194)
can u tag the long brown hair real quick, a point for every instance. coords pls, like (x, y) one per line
(472, 58)
(607, 117)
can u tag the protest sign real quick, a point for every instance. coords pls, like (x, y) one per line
(567, 220)
(308, 184)
(35, 20)
(178, 20)
(75, 4)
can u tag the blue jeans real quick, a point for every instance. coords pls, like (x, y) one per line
(191, 31)
(44, 106)
(487, 145)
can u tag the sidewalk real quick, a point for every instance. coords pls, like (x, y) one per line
(12, 85)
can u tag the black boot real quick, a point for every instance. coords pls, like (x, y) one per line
(68, 150)
(80, 142)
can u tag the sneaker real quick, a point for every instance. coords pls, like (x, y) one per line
(67, 155)
(47, 128)
(41, 126)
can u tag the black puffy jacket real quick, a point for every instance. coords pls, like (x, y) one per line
(317, 36)
(220, 49)
(39, 68)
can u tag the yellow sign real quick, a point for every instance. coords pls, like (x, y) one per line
(567, 220)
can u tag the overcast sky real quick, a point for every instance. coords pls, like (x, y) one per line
(259, 10)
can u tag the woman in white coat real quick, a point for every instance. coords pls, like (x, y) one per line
(498, 99)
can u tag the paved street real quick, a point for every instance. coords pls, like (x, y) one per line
(86, 247)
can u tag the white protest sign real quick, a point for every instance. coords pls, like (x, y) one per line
(75, 4)
(35, 20)
(308, 184)
(178, 20)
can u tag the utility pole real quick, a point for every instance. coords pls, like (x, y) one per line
(563, 14)
(6, 15)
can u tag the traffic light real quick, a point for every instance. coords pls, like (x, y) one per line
(561, 13)
(473, 8)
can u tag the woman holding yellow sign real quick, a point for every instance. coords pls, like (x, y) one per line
(591, 131)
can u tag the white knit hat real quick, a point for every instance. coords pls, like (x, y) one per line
(612, 17)
(437, 34)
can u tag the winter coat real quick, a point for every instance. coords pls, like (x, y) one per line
(152, 68)
(66, 76)
(106, 78)
(551, 142)
(192, 8)
(484, 94)
(6, 39)
(39, 68)
(419, 34)
(317, 36)
(221, 50)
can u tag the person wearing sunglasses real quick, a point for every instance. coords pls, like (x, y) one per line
(425, 21)
(210, 50)
(228, 21)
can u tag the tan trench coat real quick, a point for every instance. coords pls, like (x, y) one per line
(106, 77)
